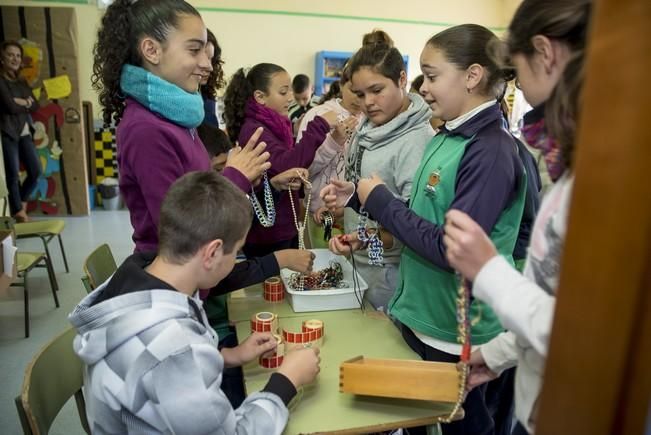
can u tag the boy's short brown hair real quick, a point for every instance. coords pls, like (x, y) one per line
(198, 208)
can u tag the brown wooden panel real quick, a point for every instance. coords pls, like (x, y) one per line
(593, 363)
(10, 22)
(65, 54)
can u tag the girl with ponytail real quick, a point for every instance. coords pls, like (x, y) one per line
(260, 98)
(149, 60)
(472, 164)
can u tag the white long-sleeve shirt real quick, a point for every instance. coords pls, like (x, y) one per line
(525, 302)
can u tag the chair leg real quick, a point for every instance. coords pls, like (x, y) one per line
(81, 408)
(53, 280)
(63, 253)
(26, 293)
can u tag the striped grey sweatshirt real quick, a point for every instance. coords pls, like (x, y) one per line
(152, 366)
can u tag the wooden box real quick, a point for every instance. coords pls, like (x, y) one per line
(403, 379)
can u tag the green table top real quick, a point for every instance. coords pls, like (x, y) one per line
(348, 333)
(243, 303)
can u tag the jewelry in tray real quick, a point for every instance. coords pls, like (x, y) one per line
(332, 277)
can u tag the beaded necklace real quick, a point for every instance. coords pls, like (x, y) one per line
(463, 337)
(266, 220)
(374, 245)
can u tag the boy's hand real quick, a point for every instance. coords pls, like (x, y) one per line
(258, 343)
(289, 179)
(298, 260)
(341, 245)
(301, 366)
(251, 160)
(479, 371)
(366, 185)
(468, 248)
(336, 194)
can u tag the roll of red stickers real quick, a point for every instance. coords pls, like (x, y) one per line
(275, 360)
(271, 362)
(274, 290)
(264, 322)
(312, 333)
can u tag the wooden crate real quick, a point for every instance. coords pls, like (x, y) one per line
(403, 379)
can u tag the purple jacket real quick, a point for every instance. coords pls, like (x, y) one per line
(153, 153)
(283, 157)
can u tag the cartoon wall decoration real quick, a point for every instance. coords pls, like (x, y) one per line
(48, 36)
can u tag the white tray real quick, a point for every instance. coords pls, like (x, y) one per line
(326, 300)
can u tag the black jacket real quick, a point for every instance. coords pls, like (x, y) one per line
(14, 116)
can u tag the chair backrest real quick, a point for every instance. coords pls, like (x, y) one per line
(99, 266)
(53, 376)
(7, 223)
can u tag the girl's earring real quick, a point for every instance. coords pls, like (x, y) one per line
(469, 90)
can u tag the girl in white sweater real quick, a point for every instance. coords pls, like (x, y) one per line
(546, 43)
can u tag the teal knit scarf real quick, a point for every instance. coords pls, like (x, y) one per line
(162, 97)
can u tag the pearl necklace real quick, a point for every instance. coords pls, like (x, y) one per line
(300, 226)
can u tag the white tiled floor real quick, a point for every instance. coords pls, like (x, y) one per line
(81, 236)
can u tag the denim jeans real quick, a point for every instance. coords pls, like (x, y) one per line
(16, 152)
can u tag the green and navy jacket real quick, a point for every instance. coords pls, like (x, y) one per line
(476, 169)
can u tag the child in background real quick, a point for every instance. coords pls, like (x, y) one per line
(259, 99)
(546, 41)
(212, 82)
(217, 144)
(151, 358)
(416, 84)
(472, 164)
(377, 37)
(435, 122)
(303, 91)
(329, 160)
(334, 91)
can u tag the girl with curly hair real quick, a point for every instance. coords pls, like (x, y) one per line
(149, 60)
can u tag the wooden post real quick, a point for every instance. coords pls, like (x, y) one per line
(597, 379)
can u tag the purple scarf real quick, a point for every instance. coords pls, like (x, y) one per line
(535, 134)
(280, 126)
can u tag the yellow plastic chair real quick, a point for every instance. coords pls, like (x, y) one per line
(46, 230)
(25, 262)
(98, 267)
(53, 376)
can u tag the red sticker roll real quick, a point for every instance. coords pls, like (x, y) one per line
(275, 360)
(312, 333)
(271, 362)
(264, 322)
(274, 290)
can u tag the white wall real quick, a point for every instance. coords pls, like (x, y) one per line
(290, 32)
